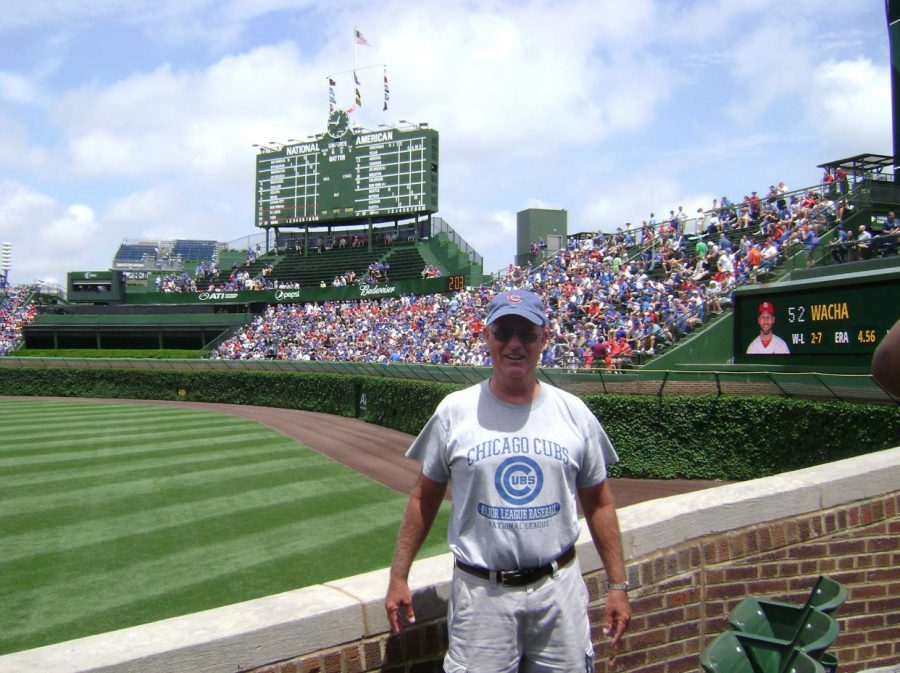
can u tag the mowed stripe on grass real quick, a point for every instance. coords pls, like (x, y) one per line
(116, 515)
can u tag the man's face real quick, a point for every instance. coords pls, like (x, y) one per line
(765, 320)
(515, 344)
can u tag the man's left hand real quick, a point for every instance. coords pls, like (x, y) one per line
(618, 614)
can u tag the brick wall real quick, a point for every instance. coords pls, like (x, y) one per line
(684, 593)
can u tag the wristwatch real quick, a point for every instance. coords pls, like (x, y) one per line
(617, 586)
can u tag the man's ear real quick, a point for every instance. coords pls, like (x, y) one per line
(545, 336)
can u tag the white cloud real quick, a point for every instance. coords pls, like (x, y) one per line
(849, 106)
(72, 231)
(16, 89)
(143, 207)
(45, 235)
(487, 78)
(20, 207)
(17, 152)
(199, 123)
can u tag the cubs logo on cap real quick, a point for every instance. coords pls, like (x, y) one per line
(522, 303)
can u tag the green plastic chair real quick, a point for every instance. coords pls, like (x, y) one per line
(827, 595)
(726, 654)
(808, 629)
(734, 652)
(801, 662)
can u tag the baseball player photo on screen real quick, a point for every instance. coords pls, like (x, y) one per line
(767, 342)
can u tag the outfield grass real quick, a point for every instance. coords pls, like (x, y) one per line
(116, 515)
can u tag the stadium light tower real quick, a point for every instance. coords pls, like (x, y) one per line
(5, 263)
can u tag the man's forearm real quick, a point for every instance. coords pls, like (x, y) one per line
(608, 541)
(423, 505)
(603, 523)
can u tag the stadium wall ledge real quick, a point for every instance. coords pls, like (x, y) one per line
(691, 558)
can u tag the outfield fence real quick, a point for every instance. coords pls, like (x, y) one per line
(718, 383)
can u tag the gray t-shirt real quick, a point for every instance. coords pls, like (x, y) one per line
(514, 470)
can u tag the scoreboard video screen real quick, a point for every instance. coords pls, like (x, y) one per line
(835, 320)
(348, 174)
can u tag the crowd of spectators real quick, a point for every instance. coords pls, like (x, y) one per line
(376, 272)
(614, 298)
(605, 311)
(14, 315)
(851, 246)
(240, 278)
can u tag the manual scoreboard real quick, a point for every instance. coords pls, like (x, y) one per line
(348, 174)
(836, 320)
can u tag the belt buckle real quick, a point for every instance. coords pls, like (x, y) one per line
(510, 578)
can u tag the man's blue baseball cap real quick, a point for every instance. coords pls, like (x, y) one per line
(522, 303)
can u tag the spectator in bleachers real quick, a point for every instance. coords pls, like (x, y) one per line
(863, 240)
(890, 235)
(14, 315)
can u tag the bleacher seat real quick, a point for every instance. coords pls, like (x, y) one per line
(732, 652)
(806, 628)
(194, 249)
(134, 252)
(827, 595)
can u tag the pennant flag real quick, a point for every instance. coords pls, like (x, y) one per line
(355, 78)
(331, 99)
(331, 82)
(358, 99)
(387, 92)
(361, 39)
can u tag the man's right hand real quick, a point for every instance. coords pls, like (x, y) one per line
(398, 601)
(424, 502)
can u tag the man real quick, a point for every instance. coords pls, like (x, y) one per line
(516, 452)
(701, 250)
(599, 354)
(769, 255)
(767, 343)
(890, 234)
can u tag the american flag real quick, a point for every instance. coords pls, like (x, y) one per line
(361, 39)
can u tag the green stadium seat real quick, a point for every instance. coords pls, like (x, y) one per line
(827, 595)
(733, 652)
(726, 654)
(806, 628)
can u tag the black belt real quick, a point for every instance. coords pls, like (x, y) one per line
(518, 578)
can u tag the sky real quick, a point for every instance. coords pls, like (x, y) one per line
(135, 119)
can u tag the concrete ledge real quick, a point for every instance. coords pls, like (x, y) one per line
(429, 581)
(258, 632)
(230, 638)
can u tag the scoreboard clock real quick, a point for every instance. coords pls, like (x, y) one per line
(835, 320)
(455, 284)
(348, 174)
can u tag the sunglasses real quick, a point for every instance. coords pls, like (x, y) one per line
(503, 333)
